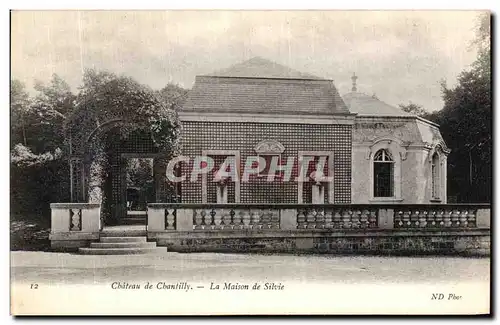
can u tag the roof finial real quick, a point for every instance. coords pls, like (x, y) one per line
(354, 78)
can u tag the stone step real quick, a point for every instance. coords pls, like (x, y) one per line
(122, 239)
(124, 233)
(133, 221)
(116, 251)
(123, 245)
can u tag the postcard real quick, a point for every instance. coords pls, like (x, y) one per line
(244, 162)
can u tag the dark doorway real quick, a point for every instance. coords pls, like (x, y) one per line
(140, 189)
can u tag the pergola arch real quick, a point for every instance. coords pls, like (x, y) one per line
(98, 154)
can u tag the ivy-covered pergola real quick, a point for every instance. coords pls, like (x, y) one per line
(117, 118)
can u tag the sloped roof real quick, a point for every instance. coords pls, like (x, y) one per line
(366, 105)
(262, 86)
(258, 67)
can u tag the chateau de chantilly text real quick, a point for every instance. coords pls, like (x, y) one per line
(185, 286)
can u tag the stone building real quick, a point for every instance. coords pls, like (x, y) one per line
(373, 152)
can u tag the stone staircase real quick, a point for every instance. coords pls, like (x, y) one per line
(134, 218)
(120, 242)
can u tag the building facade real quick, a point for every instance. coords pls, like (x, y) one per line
(370, 151)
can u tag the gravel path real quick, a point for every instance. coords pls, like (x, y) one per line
(46, 267)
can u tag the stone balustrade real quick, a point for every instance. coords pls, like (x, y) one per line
(337, 218)
(447, 216)
(214, 217)
(235, 219)
(74, 225)
(347, 228)
(320, 228)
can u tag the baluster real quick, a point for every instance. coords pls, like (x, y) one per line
(438, 216)
(356, 219)
(301, 219)
(447, 218)
(227, 219)
(406, 219)
(311, 219)
(463, 218)
(363, 219)
(75, 219)
(246, 218)
(346, 219)
(217, 218)
(328, 219)
(165, 217)
(236, 220)
(455, 218)
(337, 219)
(414, 216)
(170, 216)
(431, 220)
(256, 220)
(471, 218)
(373, 219)
(265, 219)
(204, 218)
(398, 219)
(320, 219)
(222, 213)
(422, 219)
(198, 219)
(231, 218)
(210, 216)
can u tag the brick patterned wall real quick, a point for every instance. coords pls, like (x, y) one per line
(199, 136)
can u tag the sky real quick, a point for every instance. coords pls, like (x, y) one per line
(400, 56)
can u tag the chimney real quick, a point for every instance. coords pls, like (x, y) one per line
(354, 78)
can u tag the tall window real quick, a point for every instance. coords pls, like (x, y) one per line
(383, 171)
(268, 158)
(435, 176)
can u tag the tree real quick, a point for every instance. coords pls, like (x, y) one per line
(414, 109)
(19, 109)
(105, 96)
(51, 106)
(173, 96)
(466, 125)
(39, 172)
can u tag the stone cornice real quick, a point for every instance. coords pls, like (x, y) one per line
(347, 119)
(418, 119)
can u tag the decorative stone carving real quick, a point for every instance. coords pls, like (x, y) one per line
(75, 216)
(269, 147)
(170, 219)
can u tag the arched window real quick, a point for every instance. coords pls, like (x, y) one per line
(383, 171)
(436, 177)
